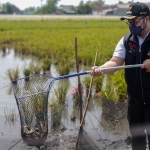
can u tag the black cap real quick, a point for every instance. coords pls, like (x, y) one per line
(135, 10)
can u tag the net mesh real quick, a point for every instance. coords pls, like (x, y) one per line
(84, 142)
(31, 95)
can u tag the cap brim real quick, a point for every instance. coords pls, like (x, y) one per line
(127, 17)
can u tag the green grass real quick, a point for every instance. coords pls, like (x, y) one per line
(57, 37)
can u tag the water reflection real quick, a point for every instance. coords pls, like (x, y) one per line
(113, 113)
(114, 117)
(9, 90)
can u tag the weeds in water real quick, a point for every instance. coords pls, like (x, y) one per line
(4, 48)
(61, 93)
(108, 91)
(98, 82)
(35, 68)
(56, 103)
(46, 64)
(10, 115)
(86, 82)
(13, 74)
(55, 106)
(120, 86)
(26, 71)
(115, 87)
(64, 69)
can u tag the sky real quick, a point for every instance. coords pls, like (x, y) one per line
(22, 4)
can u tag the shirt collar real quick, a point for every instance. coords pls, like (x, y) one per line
(141, 40)
(144, 37)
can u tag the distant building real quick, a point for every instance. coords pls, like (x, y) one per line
(102, 10)
(116, 10)
(120, 9)
(65, 9)
(16, 10)
(68, 11)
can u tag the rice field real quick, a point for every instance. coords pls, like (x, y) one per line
(54, 38)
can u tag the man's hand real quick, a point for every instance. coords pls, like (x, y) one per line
(146, 64)
(113, 62)
(96, 71)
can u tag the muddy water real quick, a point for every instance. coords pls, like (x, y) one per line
(9, 131)
(105, 120)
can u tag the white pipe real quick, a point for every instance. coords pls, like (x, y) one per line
(120, 67)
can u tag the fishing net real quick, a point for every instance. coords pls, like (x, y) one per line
(31, 94)
(85, 142)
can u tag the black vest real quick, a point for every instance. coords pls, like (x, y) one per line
(137, 79)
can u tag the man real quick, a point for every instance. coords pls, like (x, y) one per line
(134, 48)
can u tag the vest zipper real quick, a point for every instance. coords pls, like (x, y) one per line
(141, 77)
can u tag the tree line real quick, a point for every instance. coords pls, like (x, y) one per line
(51, 6)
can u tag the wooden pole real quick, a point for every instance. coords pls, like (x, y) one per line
(89, 93)
(79, 83)
(87, 104)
